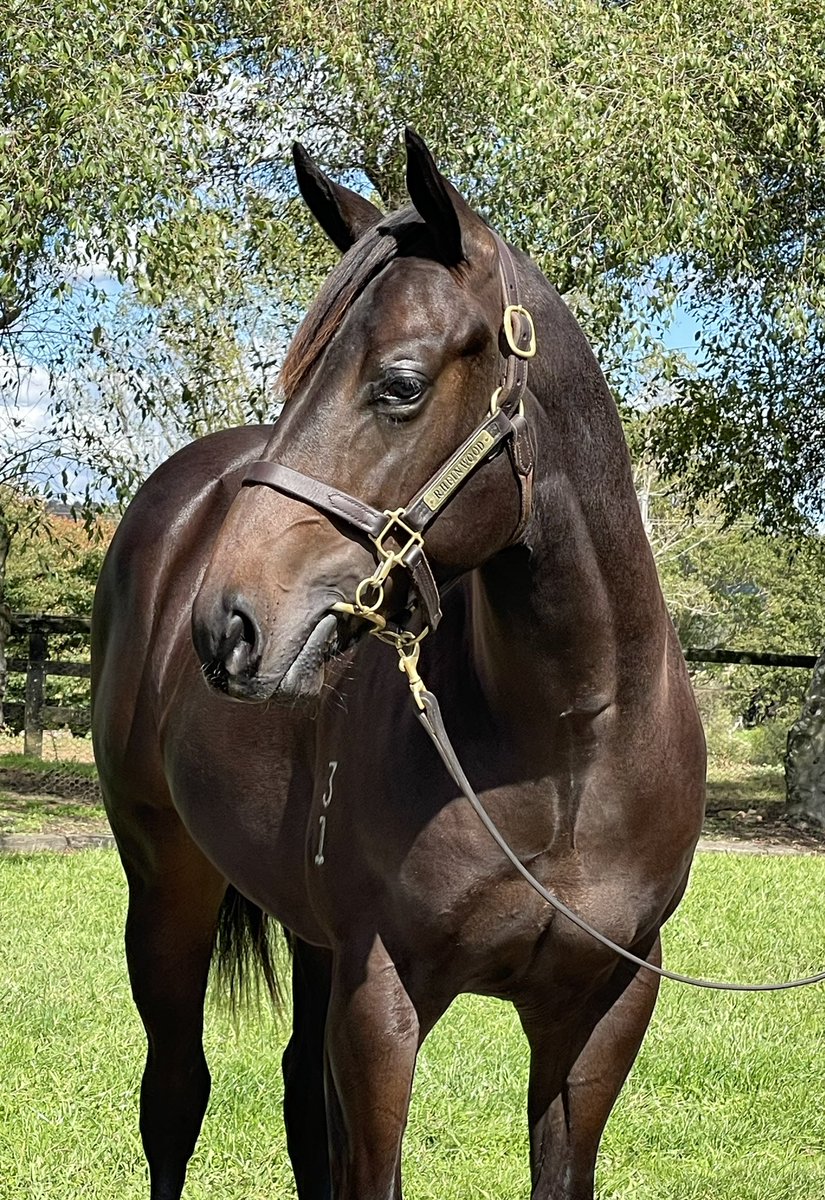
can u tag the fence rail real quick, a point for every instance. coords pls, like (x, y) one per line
(752, 658)
(37, 666)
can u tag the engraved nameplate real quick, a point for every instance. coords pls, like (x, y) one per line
(458, 470)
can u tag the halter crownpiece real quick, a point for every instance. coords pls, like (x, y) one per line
(395, 536)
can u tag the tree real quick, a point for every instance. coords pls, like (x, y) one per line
(53, 569)
(107, 117)
(640, 151)
(737, 587)
(153, 255)
(805, 759)
(96, 104)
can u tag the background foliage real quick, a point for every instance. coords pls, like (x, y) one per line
(643, 152)
(54, 570)
(661, 159)
(737, 587)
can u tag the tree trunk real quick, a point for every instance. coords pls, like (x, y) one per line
(805, 757)
(5, 624)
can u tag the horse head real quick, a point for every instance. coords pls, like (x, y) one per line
(387, 387)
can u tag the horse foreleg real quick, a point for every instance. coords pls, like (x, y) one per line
(303, 1067)
(174, 898)
(372, 1043)
(576, 1075)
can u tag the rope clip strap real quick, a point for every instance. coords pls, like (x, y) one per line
(408, 664)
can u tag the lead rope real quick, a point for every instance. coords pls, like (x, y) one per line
(408, 647)
(520, 336)
(429, 714)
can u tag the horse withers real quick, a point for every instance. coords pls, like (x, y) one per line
(260, 753)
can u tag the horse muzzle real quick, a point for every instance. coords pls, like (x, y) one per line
(239, 660)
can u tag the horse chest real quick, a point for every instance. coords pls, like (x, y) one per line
(414, 864)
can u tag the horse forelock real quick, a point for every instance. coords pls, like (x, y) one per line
(366, 259)
(399, 234)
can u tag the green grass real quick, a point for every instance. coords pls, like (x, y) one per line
(726, 1100)
(41, 766)
(44, 814)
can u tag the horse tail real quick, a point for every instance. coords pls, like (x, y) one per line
(245, 957)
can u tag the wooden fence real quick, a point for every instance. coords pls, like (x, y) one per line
(36, 630)
(36, 666)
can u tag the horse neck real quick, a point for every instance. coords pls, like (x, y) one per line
(571, 616)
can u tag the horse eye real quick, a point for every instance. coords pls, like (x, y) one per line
(400, 390)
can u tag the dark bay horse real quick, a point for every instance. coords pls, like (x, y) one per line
(262, 759)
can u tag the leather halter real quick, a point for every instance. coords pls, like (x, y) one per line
(404, 527)
(395, 536)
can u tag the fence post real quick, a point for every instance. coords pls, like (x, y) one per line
(5, 630)
(35, 692)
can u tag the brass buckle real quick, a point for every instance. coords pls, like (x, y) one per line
(394, 523)
(373, 585)
(509, 331)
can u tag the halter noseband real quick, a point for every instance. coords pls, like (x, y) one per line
(396, 535)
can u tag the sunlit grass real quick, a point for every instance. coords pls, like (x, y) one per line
(47, 766)
(726, 1100)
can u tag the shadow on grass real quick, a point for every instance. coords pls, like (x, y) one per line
(49, 814)
(745, 786)
(73, 781)
(746, 803)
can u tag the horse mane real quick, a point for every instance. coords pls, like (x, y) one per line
(393, 237)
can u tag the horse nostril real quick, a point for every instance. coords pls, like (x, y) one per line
(235, 631)
(240, 645)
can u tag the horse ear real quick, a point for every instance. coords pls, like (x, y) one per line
(434, 199)
(460, 232)
(342, 214)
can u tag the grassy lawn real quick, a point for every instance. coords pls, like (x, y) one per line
(44, 814)
(726, 1100)
(744, 785)
(49, 796)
